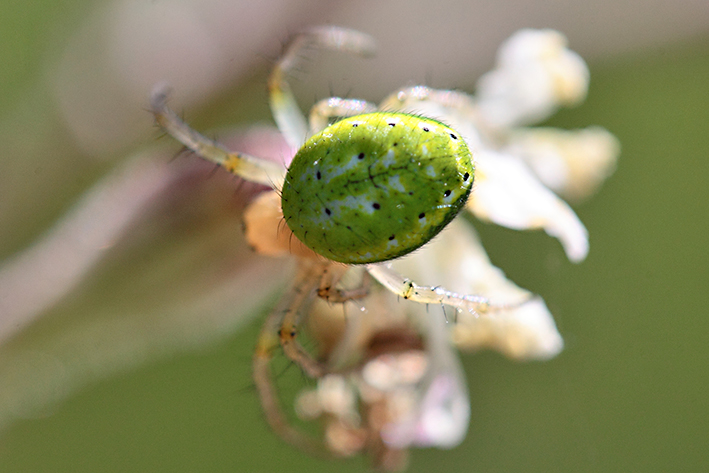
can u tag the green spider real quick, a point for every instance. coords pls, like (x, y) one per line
(371, 187)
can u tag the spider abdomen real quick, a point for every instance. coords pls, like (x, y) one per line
(377, 186)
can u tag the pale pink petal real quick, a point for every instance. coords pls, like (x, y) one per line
(441, 416)
(39, 276)
(151, 261)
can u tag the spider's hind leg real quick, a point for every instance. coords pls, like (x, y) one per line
(314, 278)
(263, 380)
(277, 331)
(285, 321)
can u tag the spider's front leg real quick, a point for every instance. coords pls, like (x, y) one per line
(409, 290)
(289, 118)
(410, 97)
(333, 107)
(243, 165)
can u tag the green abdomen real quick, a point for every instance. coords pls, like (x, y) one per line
(377, 186)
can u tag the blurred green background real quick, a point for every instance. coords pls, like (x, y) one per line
(627, 394)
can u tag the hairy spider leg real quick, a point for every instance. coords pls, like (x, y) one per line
(409, 290)
(243, 165)
(336, 107)
(298, 299)
(281, 328)
(408, 97)
(314, 277)
(286, 112)
(298, 293)
(288, 116)
(332, 275)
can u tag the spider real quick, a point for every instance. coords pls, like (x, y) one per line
(373, 186)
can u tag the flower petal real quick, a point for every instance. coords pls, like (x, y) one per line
(39, 276)
(507, 193)
(572, 163)
(443, 413)
(149, 262)
(534, 75)
(440, 419)
(524, 332)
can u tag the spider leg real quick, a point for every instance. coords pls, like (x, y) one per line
(409, 290)
(331, 276)
(408, 97)
(313, 277)
(272, 409)
(286, 113)
(243, 165)
(269, 339)
(288, 316)
(324, 110)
